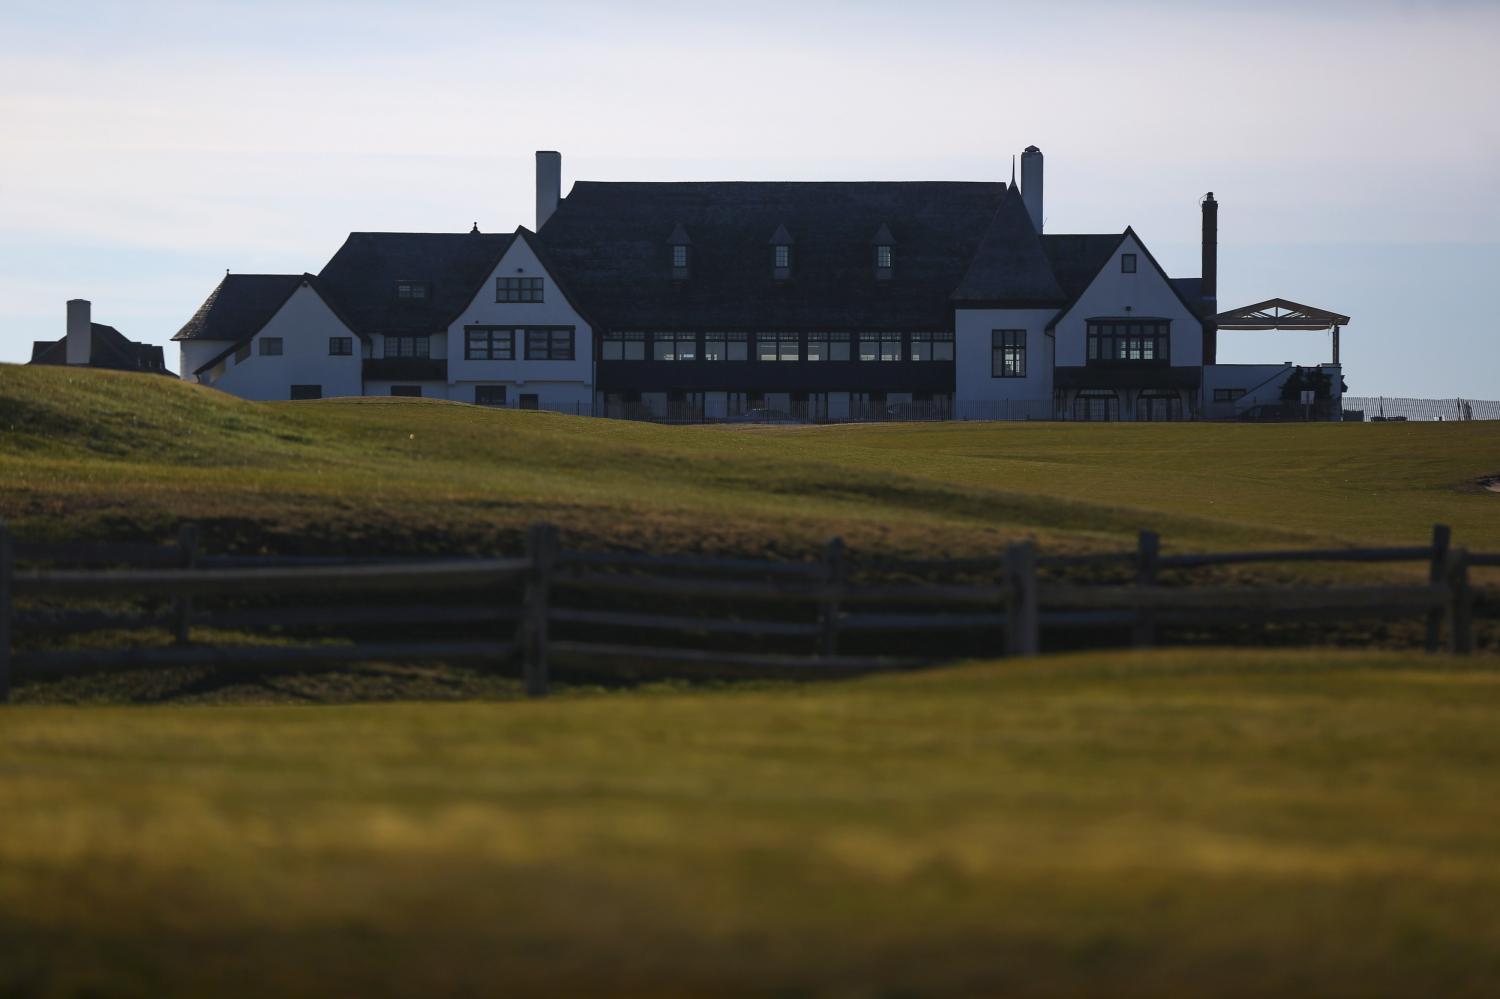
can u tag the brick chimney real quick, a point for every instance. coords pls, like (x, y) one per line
(1031, 185)
(1209, 288)
(80, 331)
(548, 185)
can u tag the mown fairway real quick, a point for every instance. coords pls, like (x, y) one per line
(1206, 823)
(106, 455)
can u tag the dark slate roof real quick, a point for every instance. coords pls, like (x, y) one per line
(239, 306)
(1009, 266)
(362, 276)
(1077, 258)
(607, 242)
(1191, 290)
(109, 349)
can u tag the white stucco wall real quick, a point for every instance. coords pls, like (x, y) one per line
(973, 371)
(555, 383)
(194, 354)
(1145, 293)
(304, 324)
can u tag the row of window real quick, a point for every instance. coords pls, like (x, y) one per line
(498, 343)
(777, 346)
(1144, 342)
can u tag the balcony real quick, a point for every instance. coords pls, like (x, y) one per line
(406, 369)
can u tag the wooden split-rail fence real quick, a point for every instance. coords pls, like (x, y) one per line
(511, 610)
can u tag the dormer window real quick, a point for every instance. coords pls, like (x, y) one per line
(411, 291)
(680, 243)
(781, 253)
(885, 252)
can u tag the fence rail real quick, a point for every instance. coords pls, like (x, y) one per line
(512, 608)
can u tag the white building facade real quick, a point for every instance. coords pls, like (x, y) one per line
(747, 300)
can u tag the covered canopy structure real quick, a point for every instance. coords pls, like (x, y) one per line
(1282, 314)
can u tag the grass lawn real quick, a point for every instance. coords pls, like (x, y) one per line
(107, 455)
(1192, 822)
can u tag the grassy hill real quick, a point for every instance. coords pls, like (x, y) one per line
(1176, 823)
(87, 453)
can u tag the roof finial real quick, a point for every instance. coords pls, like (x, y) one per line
(474, 230)
(1012, 169)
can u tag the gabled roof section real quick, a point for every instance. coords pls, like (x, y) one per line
(299, 280)
(1009, 267)
(604, 241)
(883, 236)
(679, 236)
(239, 306)
(1279, 314)
(781, 237)
(362, 277)
(108, 348)
(1093, 257)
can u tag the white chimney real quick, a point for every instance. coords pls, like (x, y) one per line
(1031, 184)
(548, 185)
(80, 331)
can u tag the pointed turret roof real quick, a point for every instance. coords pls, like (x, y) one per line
(679, 236)
(1009, 266)
(883, 236)
(781, 237)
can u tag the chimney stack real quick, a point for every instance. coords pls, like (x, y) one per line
(1209, 287)
(80, 343)
(1031, 184)
(548, 185)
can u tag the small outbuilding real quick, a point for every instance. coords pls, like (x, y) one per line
(94, 345)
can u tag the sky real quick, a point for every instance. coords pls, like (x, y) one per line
(147, 146)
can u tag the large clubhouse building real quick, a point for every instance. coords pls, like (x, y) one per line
(732, 300)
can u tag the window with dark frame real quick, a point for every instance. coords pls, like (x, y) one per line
(270, 346)
(674, 347)
(411, 291)
(307, 392)
(489, 395)
(409, 391)
(1127, 263)
(400, 345)
(778, 347)
(1128, 341)
(781, 256)
(828, 346)
(518, 289)
(549, 344)
(340, 346)
(726, 347)
(1228, 395)
(1008, 354)
(489, 343)
(680, 256)
(880, 346)
(932, 346)
(883, 256)
(622, 347)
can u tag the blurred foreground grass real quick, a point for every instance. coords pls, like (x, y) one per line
(1192, 821)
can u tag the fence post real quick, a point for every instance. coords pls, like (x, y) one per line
(833, 583)
(1441, 538)
(1460, 603)
(541, 548)
(1149, 551)
(7, 605)
(1022, 617)
(187, 547)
